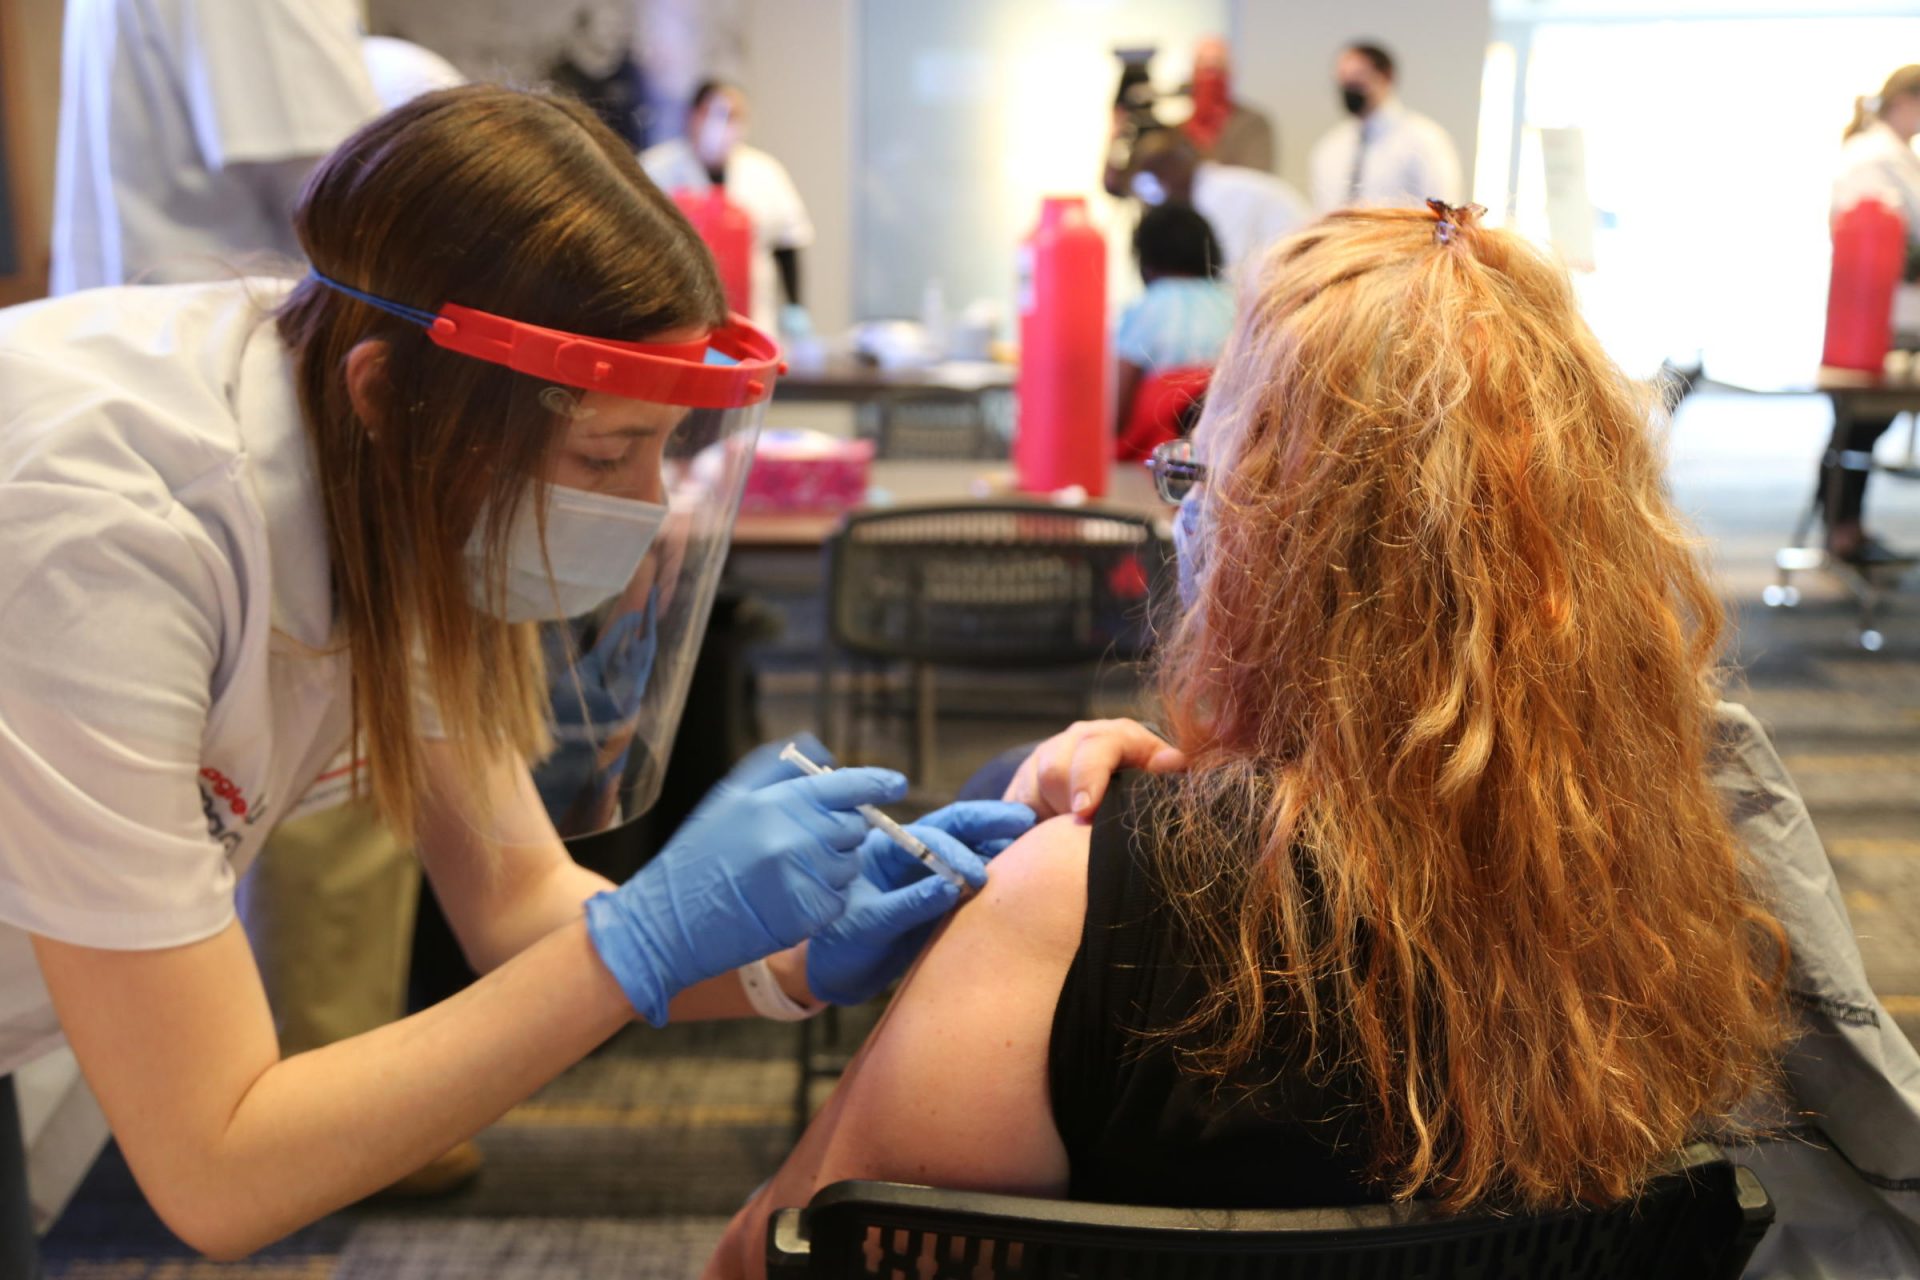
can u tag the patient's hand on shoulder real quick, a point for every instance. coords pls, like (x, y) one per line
(951, 1088)
(1069, 772)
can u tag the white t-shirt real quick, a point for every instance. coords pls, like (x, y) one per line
(163, 582)
(760, 186)
(183, 125)
(1876, 164)
(1408, 159)
(1247, 209)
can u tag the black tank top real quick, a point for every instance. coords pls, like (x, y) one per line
(1137, 1128)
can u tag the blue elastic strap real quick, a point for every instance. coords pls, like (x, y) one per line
(718, 357)
(424, 319)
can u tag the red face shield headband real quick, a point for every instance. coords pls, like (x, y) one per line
(732, 367)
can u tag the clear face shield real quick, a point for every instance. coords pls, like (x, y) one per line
(618, 675)
(622, 567)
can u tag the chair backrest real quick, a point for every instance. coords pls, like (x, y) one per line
(984, 586)
(1700, 1220)
(1166, 404)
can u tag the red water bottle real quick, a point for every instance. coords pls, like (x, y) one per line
(728, 233)
(1869, 253)
(1063, 434)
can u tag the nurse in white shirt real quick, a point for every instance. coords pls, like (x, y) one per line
(1386, 154)
(713, 153)
(187, 128)
(1877, 162)
(241, 521)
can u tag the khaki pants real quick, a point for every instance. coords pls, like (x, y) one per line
(329, 908)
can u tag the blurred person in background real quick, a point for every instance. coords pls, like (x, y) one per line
(714, 153)
(1182, 319)
(186, 131)
(597, 66)
(402, 70)
(1223, 129)
(1386, 154)
(1246, 209)
(1877, 162)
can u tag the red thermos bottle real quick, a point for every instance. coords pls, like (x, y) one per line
(728, 233)
(1063, 433)
(1869, 252)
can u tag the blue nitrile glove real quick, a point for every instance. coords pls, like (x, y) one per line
(752, 872)
(896, 902)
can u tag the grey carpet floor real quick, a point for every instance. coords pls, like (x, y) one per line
(630, 1164)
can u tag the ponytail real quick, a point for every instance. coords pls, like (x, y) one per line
(1900, 84)
(1864, 111)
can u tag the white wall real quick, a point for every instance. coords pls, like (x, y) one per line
(798, 71)
(802, 71)
(1283, 63)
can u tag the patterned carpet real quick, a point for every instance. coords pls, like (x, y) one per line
(631, 1163)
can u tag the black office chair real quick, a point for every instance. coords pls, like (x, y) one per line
(986, 586)
(1699, 1221)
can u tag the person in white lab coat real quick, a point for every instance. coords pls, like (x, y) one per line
(1247, 210)
(1387, 154)
(1877, 162)
(245, 522)
(187, 128)
(401, 70)
(714, 152)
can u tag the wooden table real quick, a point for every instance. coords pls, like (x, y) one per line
(905, 484)
(1855, 396)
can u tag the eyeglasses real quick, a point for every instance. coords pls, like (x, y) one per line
(1174, 470)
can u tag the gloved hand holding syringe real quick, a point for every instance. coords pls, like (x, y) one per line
(792, 754)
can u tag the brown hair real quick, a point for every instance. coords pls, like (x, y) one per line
(1901, 83)
(1449, 679)
(509, 202)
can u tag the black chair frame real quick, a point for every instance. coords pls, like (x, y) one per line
(1699, 1220)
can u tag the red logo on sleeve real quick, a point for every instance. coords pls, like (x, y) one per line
(224, 788)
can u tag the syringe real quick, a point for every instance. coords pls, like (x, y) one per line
(880, 821)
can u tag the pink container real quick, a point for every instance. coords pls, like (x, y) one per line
(807, 471)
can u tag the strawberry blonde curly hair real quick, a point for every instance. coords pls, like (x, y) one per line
(1448, 676)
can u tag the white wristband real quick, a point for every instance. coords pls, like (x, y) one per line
(766, 997)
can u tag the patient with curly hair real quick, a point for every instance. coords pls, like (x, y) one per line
(1445, 904)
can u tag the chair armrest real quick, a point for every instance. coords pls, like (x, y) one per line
(1756, 1216)
(788, 1251)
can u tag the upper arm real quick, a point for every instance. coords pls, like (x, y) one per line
(1133, 336)
(1442, 166)
(111, 641)
(952, 1088)
(791, 228)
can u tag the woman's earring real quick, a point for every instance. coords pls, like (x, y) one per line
(563, 403)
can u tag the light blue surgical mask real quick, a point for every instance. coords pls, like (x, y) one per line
(1189, 547)
(1148, 189)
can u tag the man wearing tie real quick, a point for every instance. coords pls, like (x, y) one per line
(1386, 154)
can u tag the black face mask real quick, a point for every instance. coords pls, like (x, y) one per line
(1355, 100)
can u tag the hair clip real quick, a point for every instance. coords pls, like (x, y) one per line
(1451, 218)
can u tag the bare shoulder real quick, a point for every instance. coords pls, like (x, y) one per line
(1036, 891)
(952, 1089)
